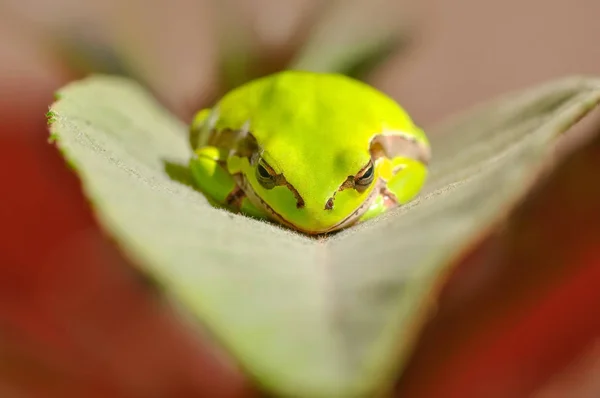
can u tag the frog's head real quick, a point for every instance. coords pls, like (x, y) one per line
(314, 190)
(304, 146)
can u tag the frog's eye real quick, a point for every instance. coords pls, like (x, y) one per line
(365, 177)
(265, 175)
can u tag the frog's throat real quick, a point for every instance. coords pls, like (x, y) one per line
(346, 222)
(360, 210)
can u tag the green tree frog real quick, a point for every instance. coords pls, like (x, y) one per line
(316, 152)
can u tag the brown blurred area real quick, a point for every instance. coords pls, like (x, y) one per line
(461, 52)
(60, 335)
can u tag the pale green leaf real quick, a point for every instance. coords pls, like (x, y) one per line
(341, 39)
(305, 317)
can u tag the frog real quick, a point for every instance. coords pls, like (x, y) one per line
(315, 152)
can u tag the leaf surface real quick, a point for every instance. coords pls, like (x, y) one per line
(342, 40)
(332, 317)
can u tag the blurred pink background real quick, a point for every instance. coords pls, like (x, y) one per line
(463, 51)
(57, 325)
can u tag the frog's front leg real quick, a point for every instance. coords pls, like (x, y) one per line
(407, 179)
(210, 174)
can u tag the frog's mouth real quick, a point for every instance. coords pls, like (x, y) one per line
(352, 218)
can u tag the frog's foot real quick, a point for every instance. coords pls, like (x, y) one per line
(212, 178)
(408, 177)
(382, 203)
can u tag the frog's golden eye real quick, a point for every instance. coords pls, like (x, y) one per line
(365, 177)
(265, 175)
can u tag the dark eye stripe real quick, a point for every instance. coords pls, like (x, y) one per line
(268, 178)
(262, 171)
(264, 178)
(366, 178)
(369, 173)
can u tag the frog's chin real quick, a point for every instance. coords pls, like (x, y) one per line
(351, 219)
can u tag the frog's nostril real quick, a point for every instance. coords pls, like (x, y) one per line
(329, 204)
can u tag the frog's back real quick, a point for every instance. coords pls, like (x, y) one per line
(311, 107)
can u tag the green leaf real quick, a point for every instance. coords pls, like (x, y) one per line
(86, 55)
(522, 296)
(239, 53)
(333, 317)
(332, 37)
(342, 40)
